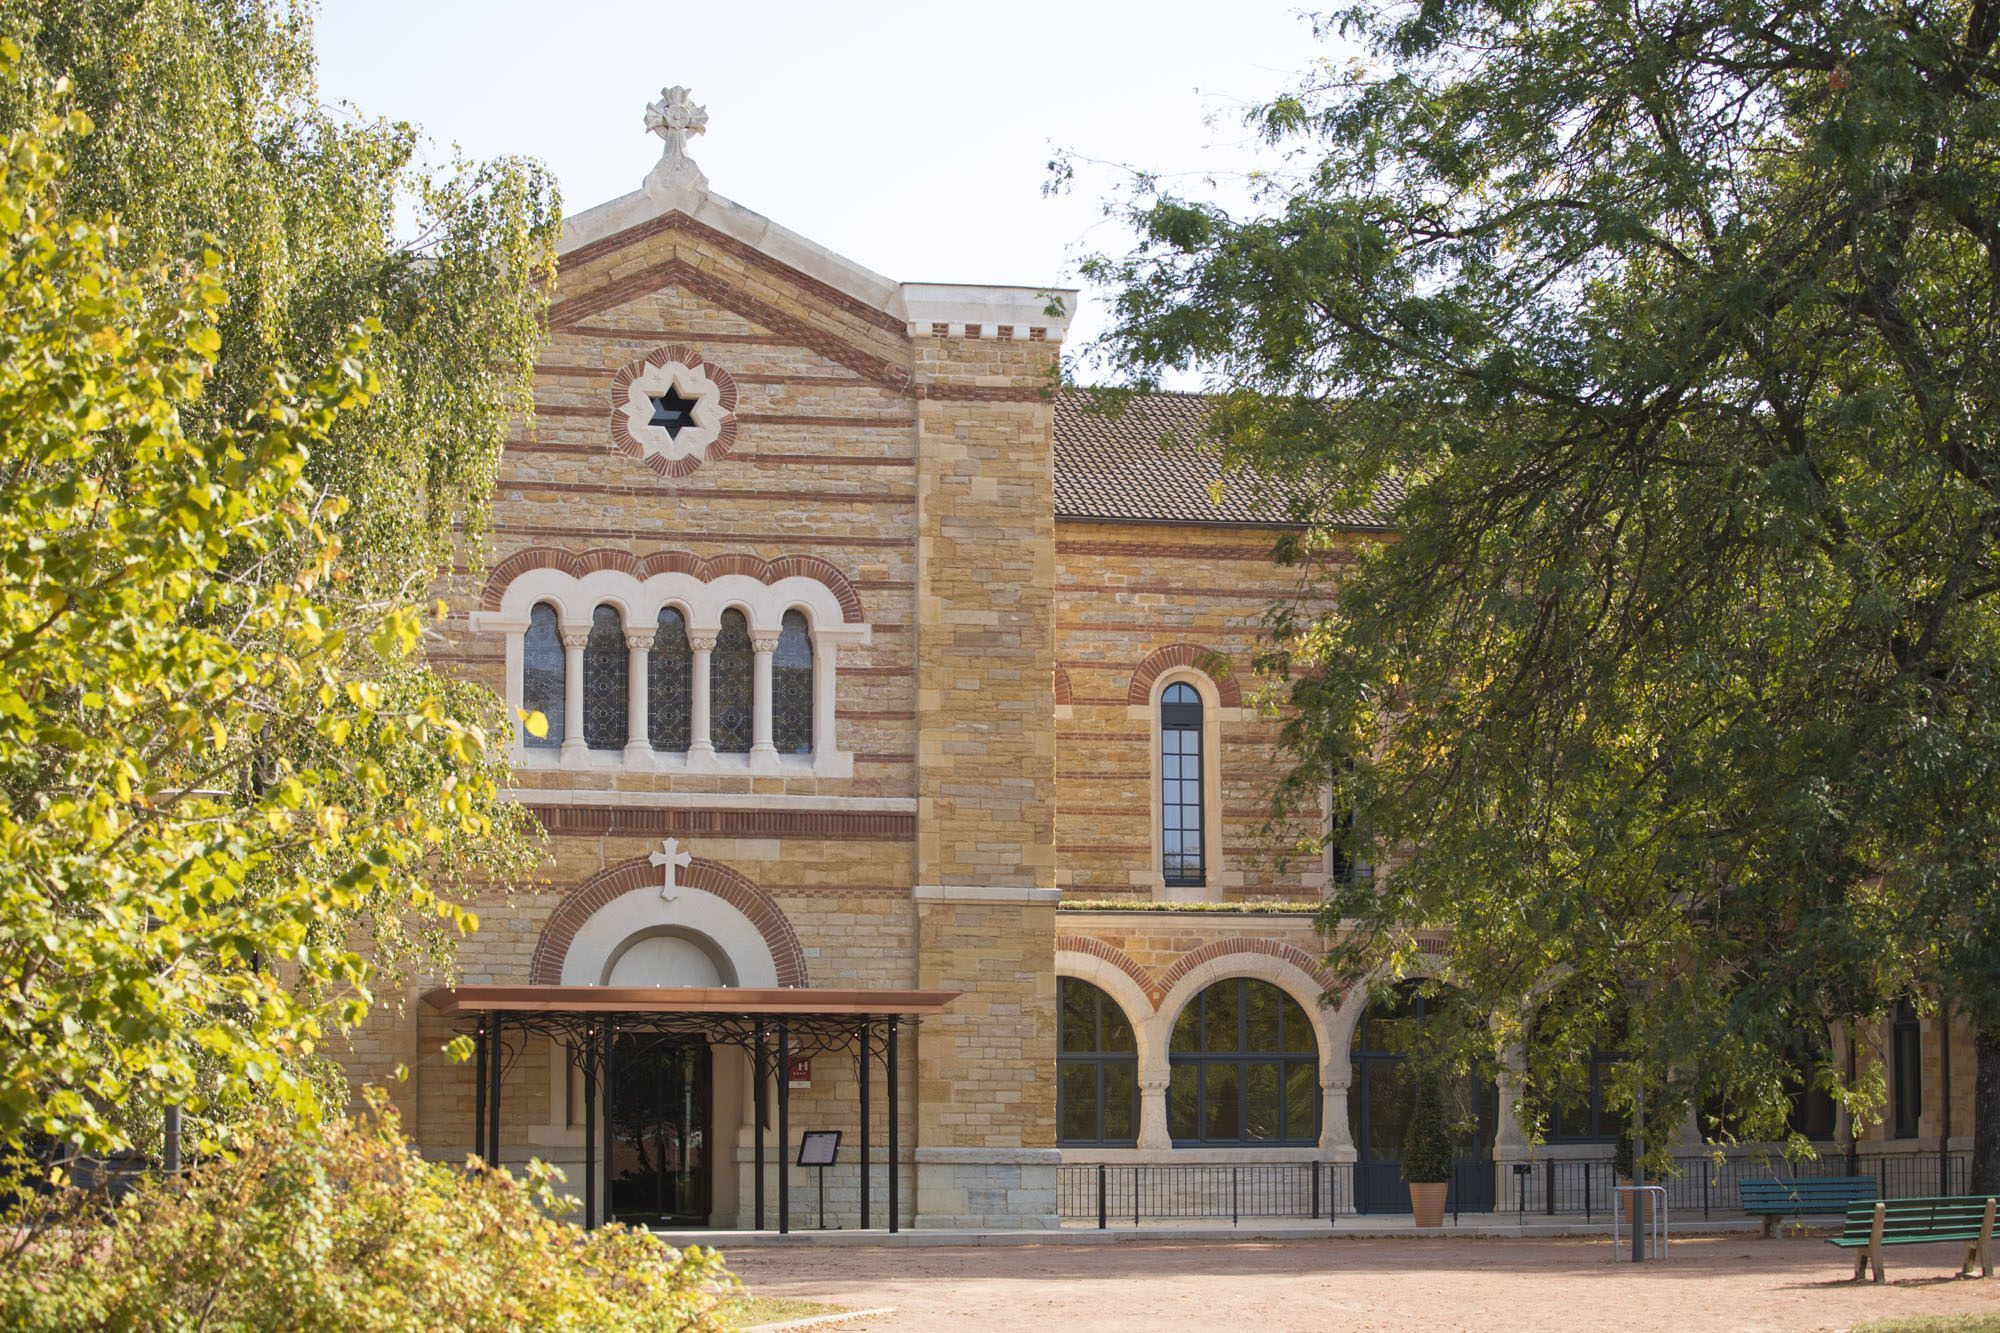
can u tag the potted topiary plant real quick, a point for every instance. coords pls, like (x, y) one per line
(1621, 1169)
(1427, 1153)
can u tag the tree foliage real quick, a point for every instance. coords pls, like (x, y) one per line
(1681, 675)
(214, 757)
(351, 1230)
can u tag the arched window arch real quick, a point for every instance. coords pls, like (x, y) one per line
(792, 686)
(542, 681)
(1097, 1068)
(669, 683)
(730, 685)
(1573, 1050)
(1182, 851)
(1244, 1068)
(604, 681)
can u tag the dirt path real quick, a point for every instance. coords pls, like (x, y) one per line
(1724, 1283)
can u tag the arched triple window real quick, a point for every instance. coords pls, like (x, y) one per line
(542, 675)
(792, 687)
(730, 685)
(1097, 1068)
(1244, 1068)
(1182, 859)
(672, 673)
(669, 682)
(604, 681)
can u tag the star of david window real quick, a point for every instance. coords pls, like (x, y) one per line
(672, 411)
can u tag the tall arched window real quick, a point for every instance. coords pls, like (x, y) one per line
(1181, 859)
(792, 687)
(1573, 1048)
(730, 685)
(1245, 1068)
(604, 681)
(1906, 1072)
(542, 675)
(669, 679)
(1097, 1068)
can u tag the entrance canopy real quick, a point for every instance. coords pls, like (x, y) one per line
(771, 1025)
(764, 1002)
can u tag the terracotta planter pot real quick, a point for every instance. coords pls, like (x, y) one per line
(1427, 1202)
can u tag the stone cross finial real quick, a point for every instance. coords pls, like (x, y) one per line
(669, 858)
(675, 119)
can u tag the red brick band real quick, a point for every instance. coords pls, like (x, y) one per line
(1205, 660)
(1119, 959)
(706, 568)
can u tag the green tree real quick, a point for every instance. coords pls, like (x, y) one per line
(1681, 675)
(212, 759)
(211, 148)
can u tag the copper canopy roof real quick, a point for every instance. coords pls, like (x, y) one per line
(738, 1000)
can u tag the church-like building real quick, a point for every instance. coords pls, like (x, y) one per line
(900, 719)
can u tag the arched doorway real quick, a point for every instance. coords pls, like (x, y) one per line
(1383, 1094)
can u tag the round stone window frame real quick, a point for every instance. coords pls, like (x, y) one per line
(710, 435)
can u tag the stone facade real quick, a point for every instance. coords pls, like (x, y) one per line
(878, 458)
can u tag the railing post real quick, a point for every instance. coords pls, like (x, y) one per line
(1315, 1191)
(1586, 1193)
(1706, 1178)
(1549, 1187)
(1234, 1206)
(1103, 1216)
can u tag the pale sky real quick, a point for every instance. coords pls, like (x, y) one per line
(912, 138)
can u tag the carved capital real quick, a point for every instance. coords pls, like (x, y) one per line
(764, 641)
(638, 639)
(701, 641)
(576, 638)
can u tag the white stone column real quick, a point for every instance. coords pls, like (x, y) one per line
(763, 754)
(1153, 1134)
(824, 655)
(701, 745)
(573, 748)
(638, 649)
(1336, 1143)
(1509, 1142)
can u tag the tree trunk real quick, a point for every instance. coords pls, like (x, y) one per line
(1986, 1112)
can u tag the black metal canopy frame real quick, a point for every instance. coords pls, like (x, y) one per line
(772, 1027)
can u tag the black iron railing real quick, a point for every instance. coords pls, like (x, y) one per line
(1135, 1195)
(1706, 1186)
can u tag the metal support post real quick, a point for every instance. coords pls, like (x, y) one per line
(493, 1095)
(784, 1127)
(895, 1162)
(867, 1182)
(479, 1089)
(758, 1075)
(589, 1128)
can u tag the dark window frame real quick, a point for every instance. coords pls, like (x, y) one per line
(1240, 1061)
(731, 691)
(1906, 1071)
(606, 668)
(792, 685)
(1182, 717)
(1098, 1060)
(550, 628)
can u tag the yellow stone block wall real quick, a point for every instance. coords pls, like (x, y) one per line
(1123, 592)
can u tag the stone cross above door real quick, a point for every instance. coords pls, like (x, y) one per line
(669, 858)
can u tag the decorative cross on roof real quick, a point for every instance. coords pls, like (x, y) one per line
(669, 858)
(676, 119)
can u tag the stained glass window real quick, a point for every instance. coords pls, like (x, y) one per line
(1097, 1067)
(669, 676)
(729, 686)
(604, 681)
(1180, 785)
(542, 675)
(792, 687)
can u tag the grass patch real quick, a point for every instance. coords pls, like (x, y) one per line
(756, 1311)
(1937, 1323)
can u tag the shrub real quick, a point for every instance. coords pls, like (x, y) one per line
(1427, 1148)
(349, 1231)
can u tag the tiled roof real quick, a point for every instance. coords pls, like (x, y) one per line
(1154, 463)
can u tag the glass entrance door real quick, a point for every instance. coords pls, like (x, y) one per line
(660, 1131)
(1383, 1096)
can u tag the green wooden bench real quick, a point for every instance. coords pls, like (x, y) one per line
(1870, 1226)
(1775, 1199)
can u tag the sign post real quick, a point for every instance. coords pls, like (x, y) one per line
(818, 1148)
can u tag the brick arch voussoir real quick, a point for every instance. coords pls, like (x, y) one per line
(578, 563)
(1216, 949)
(1148, 984)
(1210, 663)
(1062, 686)
(545, 967)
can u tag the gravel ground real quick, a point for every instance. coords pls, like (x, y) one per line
(1732, 1282)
